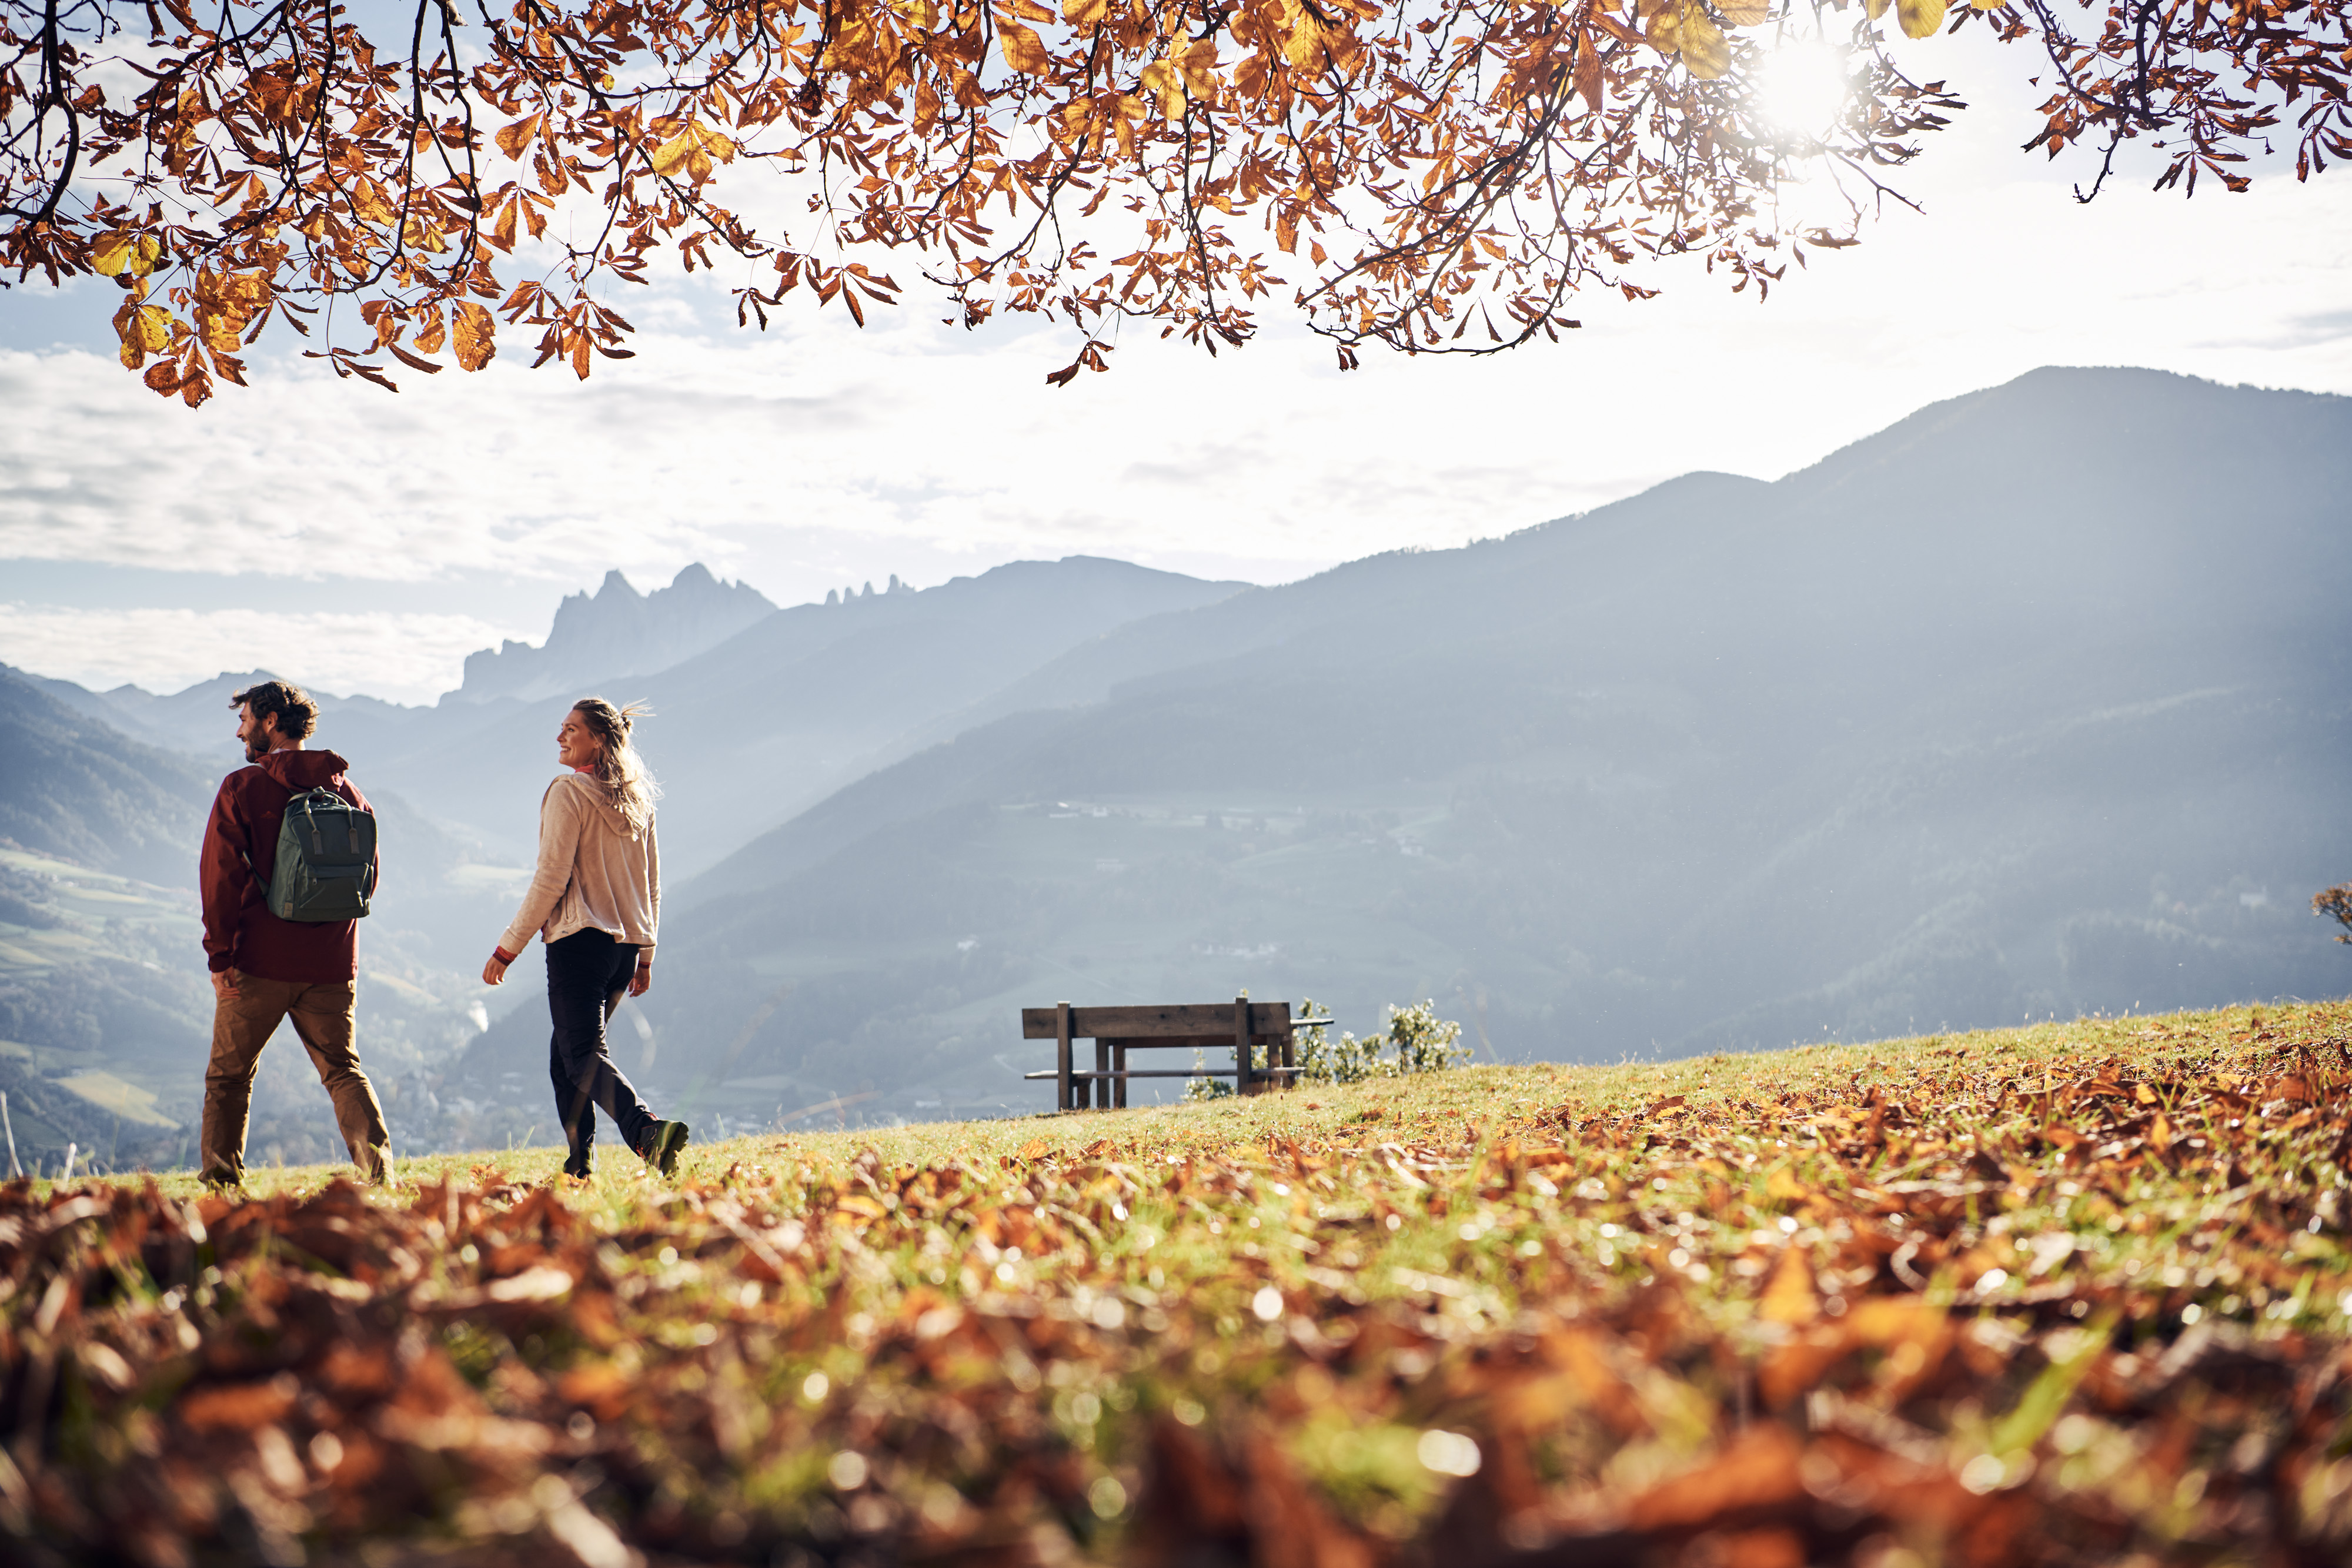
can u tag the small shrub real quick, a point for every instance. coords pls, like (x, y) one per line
(1423, 1042)
(1416, 1040)
(1205, 1087)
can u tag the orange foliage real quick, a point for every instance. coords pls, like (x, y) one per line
(1434, 177)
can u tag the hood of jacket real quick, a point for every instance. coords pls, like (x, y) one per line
(586, 787)
(303, 769)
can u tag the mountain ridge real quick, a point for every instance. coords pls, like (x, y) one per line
(1912, 734)
(612, 633)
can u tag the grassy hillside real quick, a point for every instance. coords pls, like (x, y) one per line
(2068, 1294)
(1904, 741)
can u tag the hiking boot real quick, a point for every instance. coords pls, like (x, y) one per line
(662, 1145)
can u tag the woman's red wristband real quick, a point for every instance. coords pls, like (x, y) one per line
(502, 956)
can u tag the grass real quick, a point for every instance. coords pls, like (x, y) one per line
(2075, 1292)
(1487, 1096)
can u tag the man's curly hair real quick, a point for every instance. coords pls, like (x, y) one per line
(295, 714)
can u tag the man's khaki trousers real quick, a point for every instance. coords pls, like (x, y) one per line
(242, 1024)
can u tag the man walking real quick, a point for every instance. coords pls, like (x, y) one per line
(265, 970)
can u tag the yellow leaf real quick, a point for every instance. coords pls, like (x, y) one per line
(111, 253)
(1876, 8)
(120, 251)
(1023, 49)
(671, 155)
(1920, 18)
(1302, 44)
(1744, 12)
(1084, 13)
(153, 325)
(1707, 53)
(1665, 31)
(144, 329)
(1162, 79)
(1197, 61)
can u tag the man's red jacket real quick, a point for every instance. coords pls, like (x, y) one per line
(239, 931)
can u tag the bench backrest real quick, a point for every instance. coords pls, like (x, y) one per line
(1186, 1020)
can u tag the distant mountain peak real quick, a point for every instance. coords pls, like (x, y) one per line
(615, 632)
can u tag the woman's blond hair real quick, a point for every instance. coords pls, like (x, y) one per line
(619, 769)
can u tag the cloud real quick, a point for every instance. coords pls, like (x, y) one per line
(402, 658)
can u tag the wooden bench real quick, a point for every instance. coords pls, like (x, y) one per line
(1234, 1026)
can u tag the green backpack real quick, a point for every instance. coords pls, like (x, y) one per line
(326, 859)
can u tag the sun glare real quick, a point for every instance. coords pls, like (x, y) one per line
(1804, 86)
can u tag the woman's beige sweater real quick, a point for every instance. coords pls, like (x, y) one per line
(592, 873)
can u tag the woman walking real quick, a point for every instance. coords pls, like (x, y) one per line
(595, 899)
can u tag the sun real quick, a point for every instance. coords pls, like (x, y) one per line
(1804, 86)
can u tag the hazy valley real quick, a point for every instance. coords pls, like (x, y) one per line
(2021, 707)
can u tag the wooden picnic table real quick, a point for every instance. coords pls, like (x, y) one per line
(1237, 1026)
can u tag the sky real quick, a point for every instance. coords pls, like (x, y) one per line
(364, 541)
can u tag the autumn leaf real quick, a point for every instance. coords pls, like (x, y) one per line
(1705, 52)
(513, 139)
(1023, 49)
(369, 202)
(145, 329)
(474, 330)
(1589, 78)
(1744, 12)
(1301, 31)
(1790, 1298)
(670, 157)
(1165, 83)
(120, 252)
(1920, 18)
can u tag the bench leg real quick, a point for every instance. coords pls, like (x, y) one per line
(1243, 1082)
(1061, 1056)
(1102, 1083)
(1119, 1065)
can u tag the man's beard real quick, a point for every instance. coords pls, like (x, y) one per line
(256, 748)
